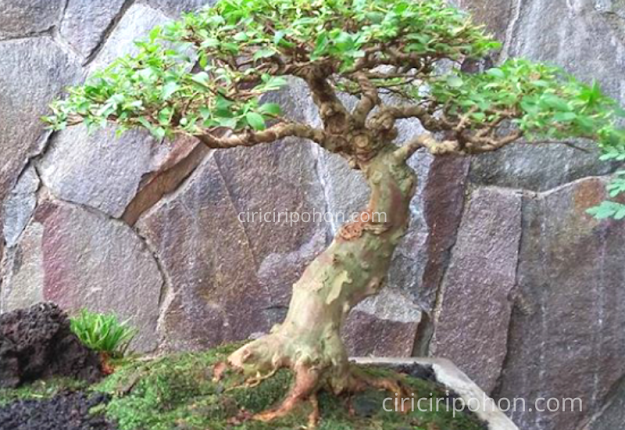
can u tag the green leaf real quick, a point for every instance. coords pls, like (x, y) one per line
(375, 17)
(264, 53)
(565, 116)
(556, 102)
(210, 43)
(277, 38)
(164, 115)
(270, 109)
(240, 37)
(255, 120)
(159, 132)
(479, 116)
(230, 47)
(497, 73)
(227, 122)
(144, 122)
(155, 33)
(223, 104)
(620, 213)
(168, 89)
(608, 210)
(454, 81)
(205, 112)
(201, 78)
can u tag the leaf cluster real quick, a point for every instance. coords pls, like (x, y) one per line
(541, 101)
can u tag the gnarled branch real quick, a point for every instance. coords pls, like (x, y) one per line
(333, 113)
(453, 146)
(368, 100)
(271, 134)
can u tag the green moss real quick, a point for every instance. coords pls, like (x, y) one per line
(177, 392)
(39, 390)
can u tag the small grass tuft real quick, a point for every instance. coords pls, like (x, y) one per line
(103, 332)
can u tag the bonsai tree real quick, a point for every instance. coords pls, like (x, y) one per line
(206, 74)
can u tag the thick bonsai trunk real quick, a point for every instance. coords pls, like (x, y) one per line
(352, 268)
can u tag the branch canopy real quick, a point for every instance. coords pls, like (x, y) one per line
(210, 69)
(208, 72)
(518, 98)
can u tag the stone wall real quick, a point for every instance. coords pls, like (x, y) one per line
(502, 271)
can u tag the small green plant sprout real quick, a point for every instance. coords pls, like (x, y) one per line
(103, 332)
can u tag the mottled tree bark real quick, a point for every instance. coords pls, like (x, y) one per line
(353, 267)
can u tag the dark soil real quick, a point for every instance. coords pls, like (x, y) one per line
(37, 343)
(65, 411)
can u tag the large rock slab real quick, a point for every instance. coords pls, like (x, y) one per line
(25, 17)
(85, 23)
(99, 169)
(538, 167)
(566, 33)
(441, 200)
(46, 69)
(612, 415)
(496, 15)
(566, 334)
(383, 326)
(82, 259)
(23, 272)
(476, 306)
(176, 7)
(182, 158)
(20, 205)
(230, 276)
(135, 24)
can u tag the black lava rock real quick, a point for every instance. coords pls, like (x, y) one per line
(64, 411)
(37, 343)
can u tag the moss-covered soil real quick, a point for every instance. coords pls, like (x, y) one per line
(177, 392)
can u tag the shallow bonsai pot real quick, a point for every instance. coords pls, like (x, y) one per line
(446, 373)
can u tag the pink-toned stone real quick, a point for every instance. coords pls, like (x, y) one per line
(230, 277)
(471, 323)
(81, 259)
(566, 337)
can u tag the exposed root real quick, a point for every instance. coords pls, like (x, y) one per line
(107, 367)
(314, 416)
(340, 378)
(359, 381)
(256, 380)
(219, 370)
(394, 386)
(305, 386)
